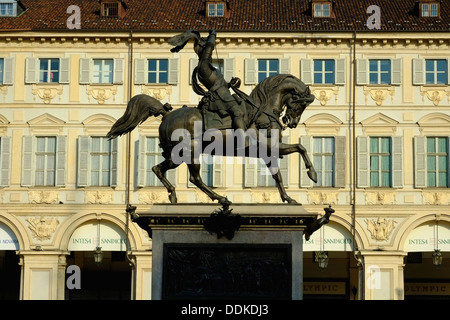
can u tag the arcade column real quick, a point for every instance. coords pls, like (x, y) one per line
(384, 275)
(43, 275)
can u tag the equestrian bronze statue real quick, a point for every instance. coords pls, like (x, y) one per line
(274, 104)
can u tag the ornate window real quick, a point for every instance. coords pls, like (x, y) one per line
(437, 161)
(97, 161)
(380, 71)
(44, 161)
(436, 71)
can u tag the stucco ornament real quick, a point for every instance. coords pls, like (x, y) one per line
(42, 228)
(381, 228)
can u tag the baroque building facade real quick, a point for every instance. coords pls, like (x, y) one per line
(378, 134)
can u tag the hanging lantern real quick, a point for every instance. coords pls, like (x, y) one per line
(322, 259)
(98, 255)
(437, 258)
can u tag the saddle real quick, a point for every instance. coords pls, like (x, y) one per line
(212, 120)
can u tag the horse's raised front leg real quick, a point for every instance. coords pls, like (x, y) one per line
(291, 148)
(195, 178)
(160, 170)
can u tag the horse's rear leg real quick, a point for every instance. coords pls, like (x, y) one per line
(276, 174)
(160, 170)
(195, 178)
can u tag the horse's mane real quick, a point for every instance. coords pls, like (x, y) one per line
(260, 95)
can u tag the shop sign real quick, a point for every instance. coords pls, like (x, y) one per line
(427, 289)
(91, 235)
(325, 288)
(428, 237)
(8, 240)
(329, 238)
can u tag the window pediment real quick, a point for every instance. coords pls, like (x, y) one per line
(46, 123)
(379, 124)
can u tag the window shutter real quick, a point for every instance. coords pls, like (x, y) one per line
(228, 69)
(64, 70)
(362, 71)
(192, 64)
(305, 181)
(285, 66)
(250, 71)
(8, 74)
(420, 163)
(251, 172)
(397, 162)
(141, 161)
(448, 72)
(339, 162)
(118, 71)
(5, 161)
(61, 152)
(448, 161)
(173, 71)
(114, 162)
(363, 162)
(83, 161)
(32, 70)
(140, 71)
(418, 71)
(85, 71)
(27, 161)
(306, 71)
(217, 171)
(396, 71)
(340, 72)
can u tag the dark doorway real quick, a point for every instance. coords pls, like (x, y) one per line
(9, 275)
(109, 280)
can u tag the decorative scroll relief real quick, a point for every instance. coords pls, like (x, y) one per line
(435, 94)
(99, 197)
(379, 94)
(101, 93)
(380, 197)
(157, 92)
(150, 197)
(47, 92)
(380, 228)
(42, 228)
(324, 94)
(436, 197)
(324, 197)
(4, 92)
(264, 197)
(43, 196)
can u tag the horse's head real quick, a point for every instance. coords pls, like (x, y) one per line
(295, 104)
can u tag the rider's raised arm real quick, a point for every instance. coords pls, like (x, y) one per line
(206, 56)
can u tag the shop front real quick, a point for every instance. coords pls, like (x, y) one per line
(427, 275)
(9, 264)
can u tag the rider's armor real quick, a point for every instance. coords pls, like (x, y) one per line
(213, 80)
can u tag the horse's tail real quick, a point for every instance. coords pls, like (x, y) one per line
(139, 108)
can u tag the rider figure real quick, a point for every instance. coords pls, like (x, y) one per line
(214, 81)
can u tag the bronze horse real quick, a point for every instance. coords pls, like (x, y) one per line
(277, 102)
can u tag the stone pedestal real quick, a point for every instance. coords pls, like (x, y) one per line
(200, 252)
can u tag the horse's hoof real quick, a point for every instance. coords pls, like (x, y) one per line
(173, 198)
(291, 201)
(312, 175)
